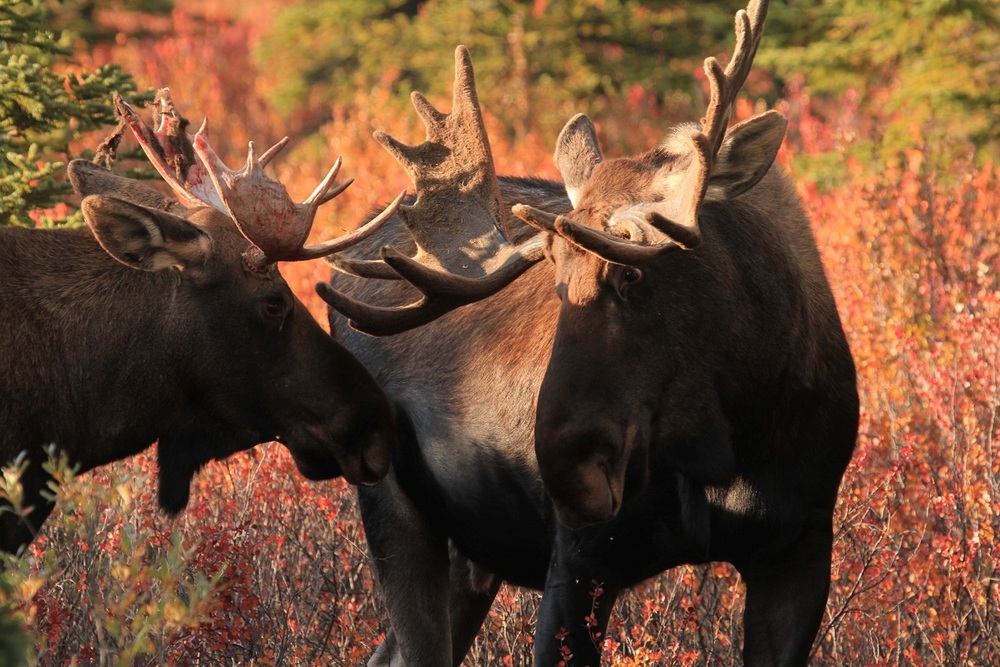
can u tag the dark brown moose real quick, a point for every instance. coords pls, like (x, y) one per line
(696, 397)
(172, 324)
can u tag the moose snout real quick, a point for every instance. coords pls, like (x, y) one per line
(371, 464)
(355, 443)
(598, 501)
(583, 469)
(365, 445)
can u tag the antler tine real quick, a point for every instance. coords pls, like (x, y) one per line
(169, 150)
(458, 221)
(725, 85)
(259, 205)
(267, 216)
(678, 219)
(326, 191)
(442, 292)
(641, 231)
(272, 151)
(454, 159)
(351, 238)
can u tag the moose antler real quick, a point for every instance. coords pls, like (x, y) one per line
(644, 231)
(259, 205)
(458, 221)
(169, 149)
(725, 85)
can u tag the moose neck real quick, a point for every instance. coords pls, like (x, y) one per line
(77, 311)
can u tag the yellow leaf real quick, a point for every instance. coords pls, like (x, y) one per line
(175, 612)
(126, 495)
(30, 586)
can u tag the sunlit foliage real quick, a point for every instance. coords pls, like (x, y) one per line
(272, 569)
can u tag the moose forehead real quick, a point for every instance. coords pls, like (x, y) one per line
(621, 182)
(229, 246)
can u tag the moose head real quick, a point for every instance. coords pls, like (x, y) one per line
(247, 361)
(652, 303)
(638, 286)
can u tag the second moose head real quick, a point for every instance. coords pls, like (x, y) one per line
(655, 269)
(173, 324)
(267, 367)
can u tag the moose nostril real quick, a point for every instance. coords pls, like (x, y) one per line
(373, 467)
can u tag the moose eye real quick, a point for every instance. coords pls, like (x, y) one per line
(631, 275)
(274, 307)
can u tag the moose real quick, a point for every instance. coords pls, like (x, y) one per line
(171, 323)
(667, 381)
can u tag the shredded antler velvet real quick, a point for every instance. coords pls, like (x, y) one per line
(259, 205)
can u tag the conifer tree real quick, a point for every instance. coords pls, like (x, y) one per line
(926, 71)
(42, 111)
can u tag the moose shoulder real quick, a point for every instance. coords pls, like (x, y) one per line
(673, 385)
(154, 325)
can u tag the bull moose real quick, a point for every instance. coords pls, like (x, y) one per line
(172, 324)
(684, 394)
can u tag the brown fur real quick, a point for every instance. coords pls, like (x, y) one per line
(756, 335)
(101, 359)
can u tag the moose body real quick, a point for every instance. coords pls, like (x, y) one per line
(673, 385)
(464, 468)
(163, 323)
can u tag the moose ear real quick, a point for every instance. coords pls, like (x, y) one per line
(747, 152)
(577, 153)
(145, 238)
(91, 179)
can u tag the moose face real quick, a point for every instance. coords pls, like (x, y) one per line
(631, 375)
(266, 365)
(253, 364)
(613, 354)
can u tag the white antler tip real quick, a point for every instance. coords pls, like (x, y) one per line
(252, 164)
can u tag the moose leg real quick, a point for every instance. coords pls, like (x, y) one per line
(786, 596)
(411, 563)
(572, 618)
(472, 594)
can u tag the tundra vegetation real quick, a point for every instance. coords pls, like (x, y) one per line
(266, 568)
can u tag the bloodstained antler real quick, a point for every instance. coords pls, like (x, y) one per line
(259, 205)
(644, 231)
(457, 222)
